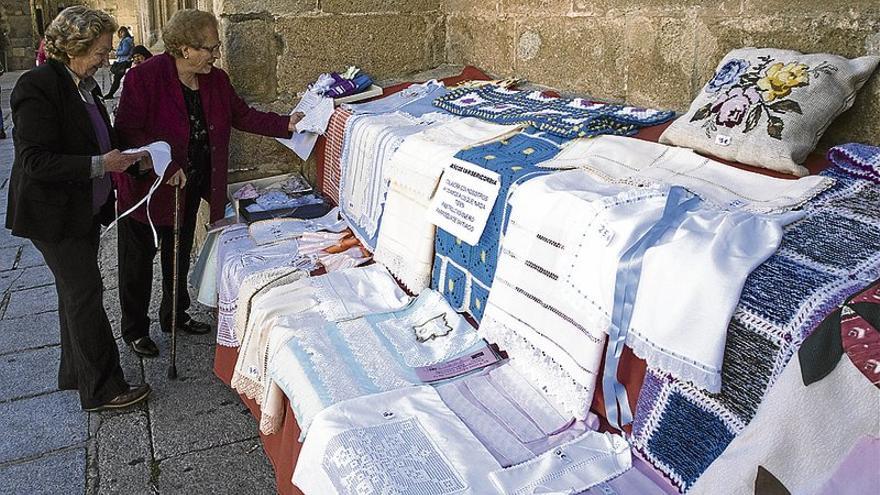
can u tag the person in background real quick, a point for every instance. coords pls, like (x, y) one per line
(138, 54)
(123, 59)
(60, 192)
(41, 52)
(178, 97)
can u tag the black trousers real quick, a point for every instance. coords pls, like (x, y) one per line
(89, 356)
(117, 77)
(136, 254)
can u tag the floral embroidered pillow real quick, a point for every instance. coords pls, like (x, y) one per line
(768, 107)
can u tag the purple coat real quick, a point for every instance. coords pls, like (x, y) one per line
(151, 108)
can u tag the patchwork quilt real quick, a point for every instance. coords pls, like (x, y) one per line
(823, 259)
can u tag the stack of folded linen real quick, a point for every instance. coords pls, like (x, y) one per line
(319, 360)
(405, 242)
(336, 296)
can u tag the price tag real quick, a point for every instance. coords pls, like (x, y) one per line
(458, 366)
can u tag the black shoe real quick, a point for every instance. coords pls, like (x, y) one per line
(131, 397)
(3, 134)
(145, 347)
(191, 326)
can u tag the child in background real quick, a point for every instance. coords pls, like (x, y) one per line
(139, 54)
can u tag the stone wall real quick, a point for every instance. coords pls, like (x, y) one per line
(20, 22)
(658, 52)
(16, 22)
(274, 48)
(126, 14)
(645, 52)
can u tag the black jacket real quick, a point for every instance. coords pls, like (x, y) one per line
(50, 188)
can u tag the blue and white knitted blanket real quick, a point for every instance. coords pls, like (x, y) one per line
(565, 117)
(858, 160)
(464, 273)
(822, 260)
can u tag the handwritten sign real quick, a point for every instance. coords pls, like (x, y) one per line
(464, 200)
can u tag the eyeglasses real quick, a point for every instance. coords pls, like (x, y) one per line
(212, 49)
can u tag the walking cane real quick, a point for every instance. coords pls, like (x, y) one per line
(172, 369)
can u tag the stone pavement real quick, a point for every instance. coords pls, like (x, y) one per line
(193, 435)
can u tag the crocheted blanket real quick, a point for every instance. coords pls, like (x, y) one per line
(822, 260)
(566, 117)
(464, 273)
(859, 160)
(826, 384)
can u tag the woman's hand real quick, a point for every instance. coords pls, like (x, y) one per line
(295, 117)
(117, 161)
(177, 180)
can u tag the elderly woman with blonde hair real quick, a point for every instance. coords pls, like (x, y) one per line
(181, 98)
(60, 192)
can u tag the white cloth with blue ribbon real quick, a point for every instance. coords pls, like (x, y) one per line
(654, 267)
(553, 339)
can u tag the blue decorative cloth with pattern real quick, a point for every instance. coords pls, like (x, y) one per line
(415, 100)
(823, 259)
(464, 273)
(566, 117)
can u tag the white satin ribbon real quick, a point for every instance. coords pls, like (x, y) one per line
(160, 153)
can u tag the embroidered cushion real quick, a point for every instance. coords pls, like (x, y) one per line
(768, 107)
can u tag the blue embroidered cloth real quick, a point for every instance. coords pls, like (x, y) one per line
(464, 273)
(566, 117)
(823, 259)
(415, 100)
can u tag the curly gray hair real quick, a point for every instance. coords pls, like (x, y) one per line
(186, 28)
(73, 32)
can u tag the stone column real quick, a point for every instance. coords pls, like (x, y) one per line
(20, 38)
